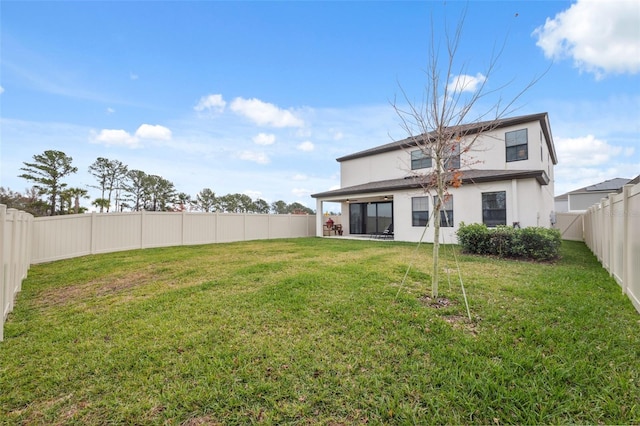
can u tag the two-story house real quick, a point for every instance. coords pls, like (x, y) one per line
(506, 179)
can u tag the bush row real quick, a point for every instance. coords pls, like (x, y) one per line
(529, 243)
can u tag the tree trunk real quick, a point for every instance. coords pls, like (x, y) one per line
(436, 224)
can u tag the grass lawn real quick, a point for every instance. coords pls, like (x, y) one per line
(318, 331)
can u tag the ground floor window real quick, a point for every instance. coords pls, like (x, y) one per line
(446, 210)
(419, 211)
(370, 218)
(494, 208)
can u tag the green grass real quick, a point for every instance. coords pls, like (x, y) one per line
(318, 331)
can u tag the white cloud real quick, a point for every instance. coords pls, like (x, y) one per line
(299, 177)
(213, 103)
(150, 131)
(115, 137)
(256, 157)
(264, 139)
(110, 110)
(338, 135)
(306, 146)
(133, 76)
(586, 151)
(466, 83)
(600, 36)
(264, 113)
(1, 90)
(119, 137)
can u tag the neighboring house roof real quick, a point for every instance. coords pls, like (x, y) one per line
(608, 186)
(634, 180)
(412, 182)
(467, 129)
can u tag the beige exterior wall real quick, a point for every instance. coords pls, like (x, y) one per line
(488, 153)
(388, 165)
(527, 203)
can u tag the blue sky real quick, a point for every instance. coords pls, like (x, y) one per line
(261, 97)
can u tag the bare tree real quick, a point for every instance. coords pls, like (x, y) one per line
(448, 123)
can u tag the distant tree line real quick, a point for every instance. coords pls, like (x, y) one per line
(121, 189)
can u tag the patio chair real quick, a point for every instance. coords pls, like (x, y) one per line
(387, 233)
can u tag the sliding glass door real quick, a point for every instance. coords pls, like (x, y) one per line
(370, 218)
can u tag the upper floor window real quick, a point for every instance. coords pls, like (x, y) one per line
(446, 210)
(517, 148)
(494, 208)
(419, 211)
(420, 160)
(452, 158)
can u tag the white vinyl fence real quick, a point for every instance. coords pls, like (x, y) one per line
(63, 237)
(15, 257)
(570, 225)
(27, 240)
(612, 232)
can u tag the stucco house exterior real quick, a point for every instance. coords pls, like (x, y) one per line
(507, 179)
(579, 200)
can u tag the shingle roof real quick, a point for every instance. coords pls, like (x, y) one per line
(411, 182)
(467, 129)
(611, 185)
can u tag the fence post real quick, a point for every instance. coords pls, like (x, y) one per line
(3, 268)
(626, 248)
(612, 218)
(182, 228)
(142, 217)
(93, 232)
(12, 260)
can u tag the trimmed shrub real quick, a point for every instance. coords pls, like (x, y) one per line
(503, 241)
(473, 238)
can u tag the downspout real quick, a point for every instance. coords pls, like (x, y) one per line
(515, 213)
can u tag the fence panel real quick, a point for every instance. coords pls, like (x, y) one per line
(15, 256)
(200, 228)
(618, 237)
(612, 232)
(61, 237)
(161, 229)
(570, 226)
(632, 248)
(256, 227)
(115, 232)
(230, 227)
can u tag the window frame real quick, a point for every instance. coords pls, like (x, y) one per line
(514, 145)
(420, 160)
(446, 211)
(452, 162)
(419, 217)
(485, 211)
